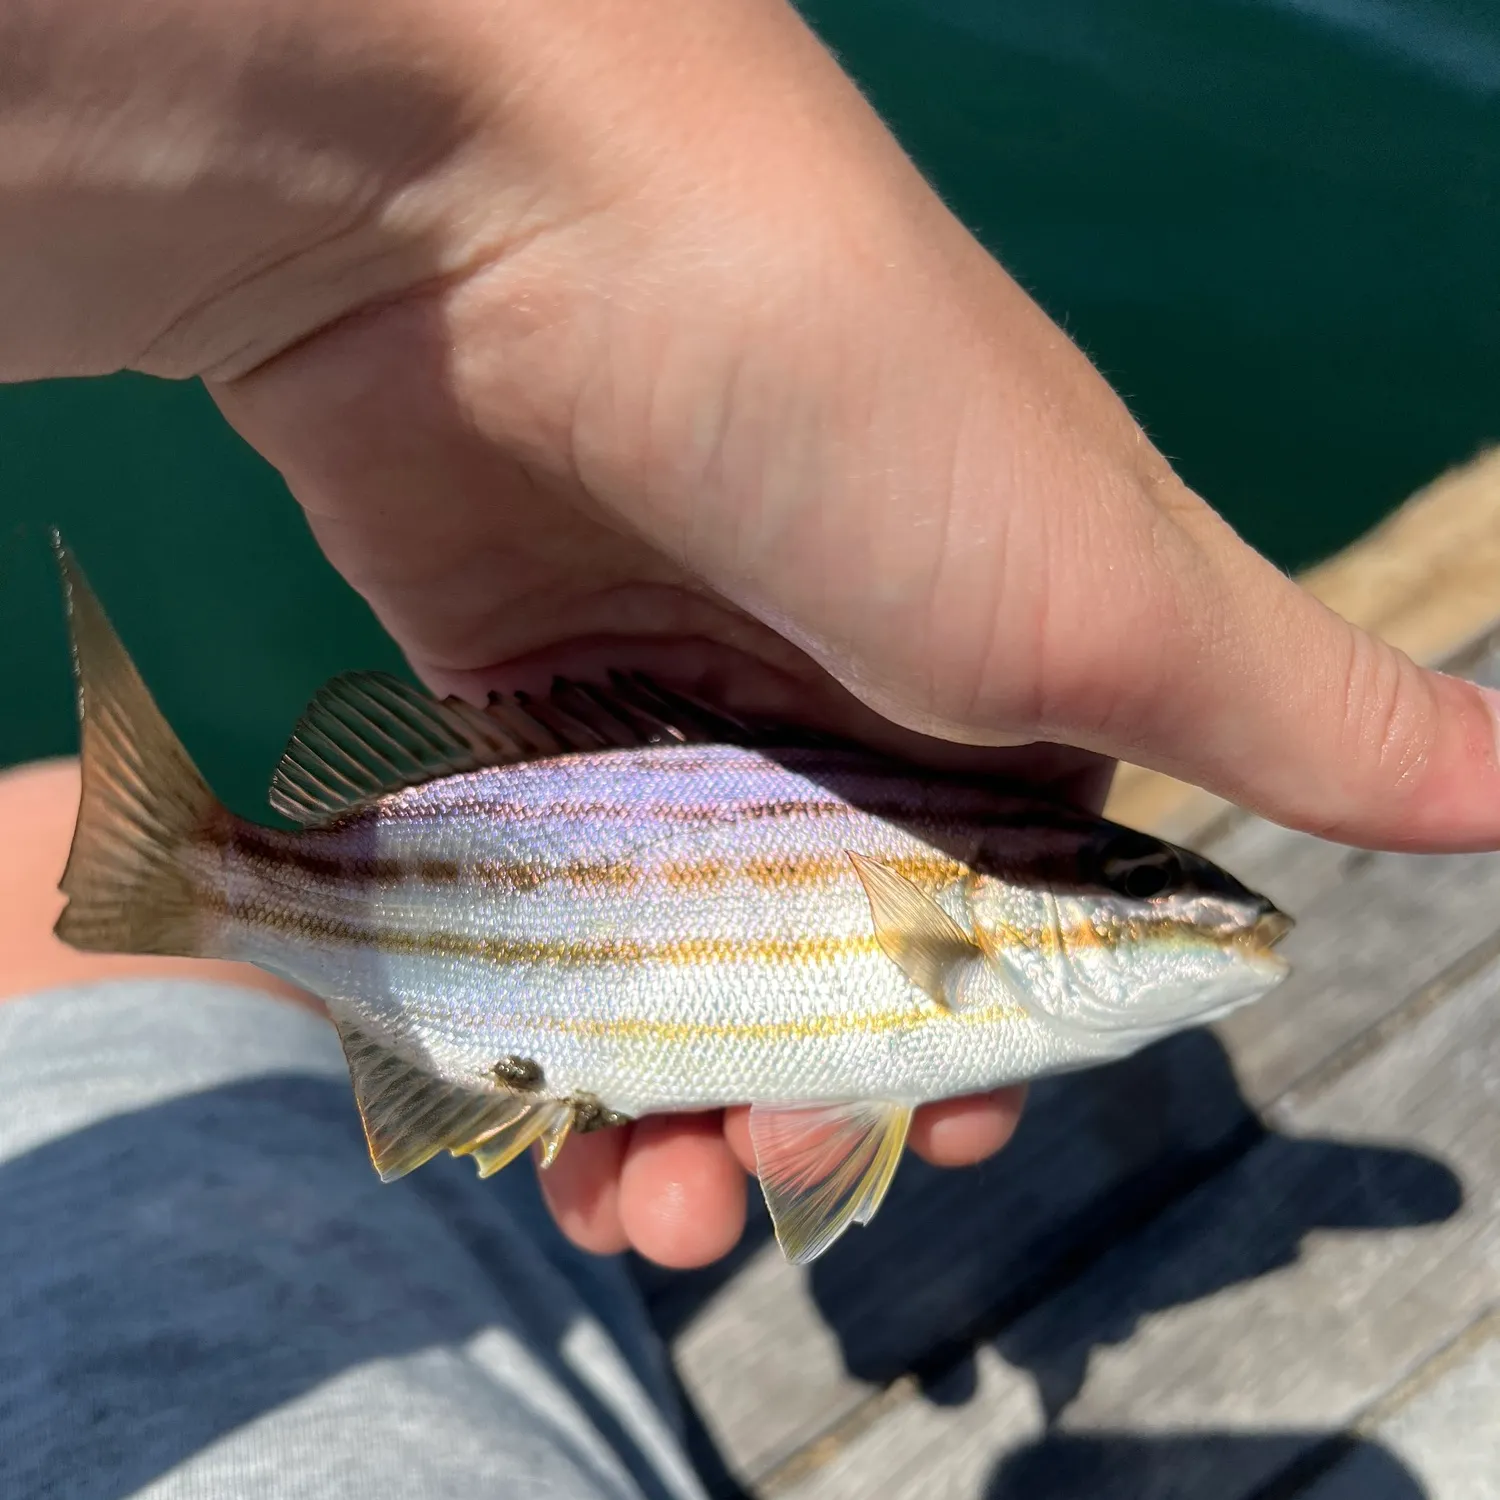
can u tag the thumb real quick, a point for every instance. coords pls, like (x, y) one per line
(1172, 644)
(1326, 727)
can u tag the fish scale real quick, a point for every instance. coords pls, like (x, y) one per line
(669, 823)
(816, 1026)
(617, 901)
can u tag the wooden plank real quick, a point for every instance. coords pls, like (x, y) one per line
(1356, 909)
(1389, 924)
(774, 1357)
(771, 1357)
(1443, 1428)
(1282, 1300)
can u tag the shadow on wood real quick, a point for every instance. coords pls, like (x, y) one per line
(1152, 1128)
(1190, 1466)
(957, 1259)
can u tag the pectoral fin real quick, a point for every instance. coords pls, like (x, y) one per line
(823, 1167)
(409, 1115)
(918, 936)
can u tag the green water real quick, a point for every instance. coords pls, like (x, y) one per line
(1274, 226)
(200, 555)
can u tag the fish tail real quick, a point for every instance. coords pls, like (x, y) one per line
(132, 881)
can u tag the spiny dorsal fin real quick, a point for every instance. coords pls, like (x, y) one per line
(409, 1116)
(918, 936)
(823, 1167)
(367, 734)
(680, 714)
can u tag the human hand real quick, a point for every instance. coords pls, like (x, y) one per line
(648, 345)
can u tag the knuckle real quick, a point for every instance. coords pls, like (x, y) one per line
(1388, 719)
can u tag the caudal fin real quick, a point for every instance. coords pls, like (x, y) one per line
(130, 880)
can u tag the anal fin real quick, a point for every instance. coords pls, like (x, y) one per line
(547, 1121)
(823, 1167)
(409, 1115)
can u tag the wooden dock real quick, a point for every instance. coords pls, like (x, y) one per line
(1260, 1262)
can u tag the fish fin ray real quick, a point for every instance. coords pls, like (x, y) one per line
(409, 1115)
(624, 719)
(367, 734)
(916, 934)
(823, 1167)
(677, 714)
(546, 1121)
(143, 804)
(556, 1131)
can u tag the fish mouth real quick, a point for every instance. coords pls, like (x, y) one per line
(1258, 942)
(1272, 927)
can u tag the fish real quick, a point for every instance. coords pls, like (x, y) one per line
(558, 913)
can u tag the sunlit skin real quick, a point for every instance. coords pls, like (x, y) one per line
(592, 331)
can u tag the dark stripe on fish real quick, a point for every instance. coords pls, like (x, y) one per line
(549, 951)
(689, 950)
(986, 815)
(771, 872)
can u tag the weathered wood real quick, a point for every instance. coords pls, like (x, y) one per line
(779, 1354)
(1443, 1429)
(1388, 924)
(776, 1356)
(1282, 1299)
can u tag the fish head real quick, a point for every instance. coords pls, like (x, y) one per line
(1130, 937)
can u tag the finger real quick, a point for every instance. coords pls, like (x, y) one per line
(1220, 670)
(582, 1189)
(1264, 695)
(959, 1132)
(737, 1133)
(682, 1193)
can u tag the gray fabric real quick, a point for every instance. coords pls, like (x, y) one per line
(205, 1291)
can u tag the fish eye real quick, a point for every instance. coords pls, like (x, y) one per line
(1138, 866)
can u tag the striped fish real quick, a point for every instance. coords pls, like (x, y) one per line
(563, 913)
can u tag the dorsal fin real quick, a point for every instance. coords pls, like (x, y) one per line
(366, 734)
(682, 715)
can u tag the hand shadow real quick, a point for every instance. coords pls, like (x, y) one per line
(954, 1257)
(1193, 1466)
